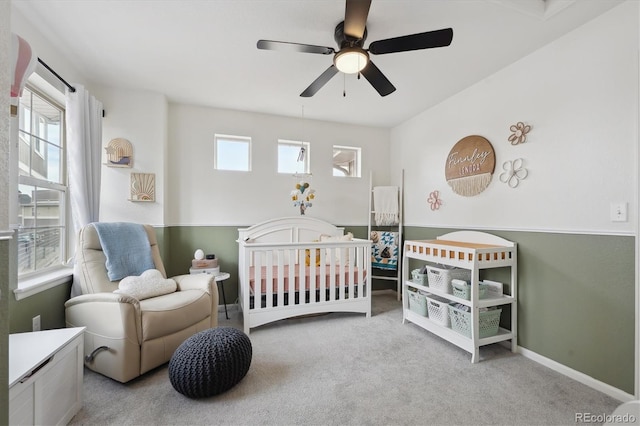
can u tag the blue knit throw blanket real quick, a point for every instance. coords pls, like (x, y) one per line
(126, 247)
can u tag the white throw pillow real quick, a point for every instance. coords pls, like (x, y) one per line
(150, 283)
(346, 237)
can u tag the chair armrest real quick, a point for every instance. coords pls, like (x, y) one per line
(106, 314)
(205, 282)
(102, 297)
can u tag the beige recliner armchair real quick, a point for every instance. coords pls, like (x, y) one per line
(126, 337)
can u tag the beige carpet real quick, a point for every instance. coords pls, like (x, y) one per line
(346, 369)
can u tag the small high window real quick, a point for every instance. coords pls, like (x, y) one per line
(346, 161)
(293, 157)
(232, 153)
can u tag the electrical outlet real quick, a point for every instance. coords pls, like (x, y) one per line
(618, 212)
(35, 323)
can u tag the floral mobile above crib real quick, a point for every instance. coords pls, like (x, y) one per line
(302, 196)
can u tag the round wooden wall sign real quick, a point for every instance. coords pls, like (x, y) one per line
(470, 165)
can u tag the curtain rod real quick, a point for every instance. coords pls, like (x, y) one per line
(71, 88)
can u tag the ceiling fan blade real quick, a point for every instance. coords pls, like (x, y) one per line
(319, 82)
(427, 40)
(379, 82)
(294, 47)
(355, 17)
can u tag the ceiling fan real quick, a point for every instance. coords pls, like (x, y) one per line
(352, 57)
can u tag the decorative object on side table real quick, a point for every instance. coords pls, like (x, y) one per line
(202, 263)
(519, 133)
(302, 196)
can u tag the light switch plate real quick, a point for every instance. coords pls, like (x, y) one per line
(618, 212)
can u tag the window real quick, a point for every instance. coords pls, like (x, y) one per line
(232, 153)
(293, 157)
(346, 161)
(41, 184)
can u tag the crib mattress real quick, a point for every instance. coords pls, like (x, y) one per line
(307, 279)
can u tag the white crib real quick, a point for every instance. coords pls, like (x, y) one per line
(298, 266)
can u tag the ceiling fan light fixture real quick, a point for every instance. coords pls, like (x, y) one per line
(351, 60)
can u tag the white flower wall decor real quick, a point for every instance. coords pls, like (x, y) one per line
(513, 172)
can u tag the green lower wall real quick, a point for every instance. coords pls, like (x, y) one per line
(576, 292)
(180, 243)
(575, 300)
(49, 304)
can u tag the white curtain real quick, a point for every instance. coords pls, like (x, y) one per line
(84, 144)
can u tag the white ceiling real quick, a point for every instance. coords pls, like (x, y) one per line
(204, 52)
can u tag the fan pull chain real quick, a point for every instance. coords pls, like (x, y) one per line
(344, 85)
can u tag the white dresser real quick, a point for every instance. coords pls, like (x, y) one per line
(45, 376)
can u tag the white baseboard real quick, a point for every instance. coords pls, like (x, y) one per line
(613, 392)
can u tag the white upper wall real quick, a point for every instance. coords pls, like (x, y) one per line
(201, 195)
(141, 118)
(580, 95)
(175, 142)
(48, 52)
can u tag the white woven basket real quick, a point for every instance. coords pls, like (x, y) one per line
(440, 278)
(438, 310)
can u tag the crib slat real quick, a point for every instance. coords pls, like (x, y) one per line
(280, 275)
(341, 278)
(323, 275)
(312, 275)
(332, 272)
(292, 277)
(302, 278)
(351, 258)
(269, 267)
(359, 264)
(257, 280)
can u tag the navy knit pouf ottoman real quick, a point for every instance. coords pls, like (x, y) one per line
(210, 362)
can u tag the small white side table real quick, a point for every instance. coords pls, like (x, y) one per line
(220, 278)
